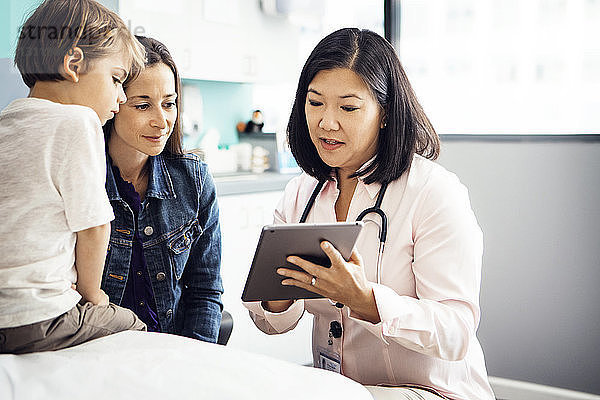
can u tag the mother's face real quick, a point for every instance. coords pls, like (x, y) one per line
(146, 120)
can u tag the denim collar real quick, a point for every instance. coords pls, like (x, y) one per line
(159, 181)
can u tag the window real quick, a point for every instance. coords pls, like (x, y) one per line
(504, 66)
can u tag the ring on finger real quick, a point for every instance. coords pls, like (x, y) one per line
(313, 281)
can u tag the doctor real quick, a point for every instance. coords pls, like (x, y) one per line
(403, 315)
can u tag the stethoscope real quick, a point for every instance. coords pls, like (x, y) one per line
(375, 209)
(335, 328)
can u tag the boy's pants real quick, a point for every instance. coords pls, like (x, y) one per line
(82, 323)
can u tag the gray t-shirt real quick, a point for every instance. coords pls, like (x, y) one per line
(52, 176)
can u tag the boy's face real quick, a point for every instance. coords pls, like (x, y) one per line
(100, 86)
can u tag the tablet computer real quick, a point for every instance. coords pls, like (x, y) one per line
(279, 241)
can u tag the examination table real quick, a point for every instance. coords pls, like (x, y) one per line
(140, 365)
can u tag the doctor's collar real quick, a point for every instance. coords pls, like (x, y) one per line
(372, 188)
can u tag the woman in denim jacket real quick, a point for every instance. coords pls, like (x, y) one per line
(164, 254)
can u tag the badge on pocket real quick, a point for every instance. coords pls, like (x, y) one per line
(329, 361)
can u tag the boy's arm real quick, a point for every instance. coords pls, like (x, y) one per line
(90, 252)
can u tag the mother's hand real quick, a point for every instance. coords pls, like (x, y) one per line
(344, 282)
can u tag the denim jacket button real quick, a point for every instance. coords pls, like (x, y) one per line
(160, 276)
(169, 313)
(148, 230)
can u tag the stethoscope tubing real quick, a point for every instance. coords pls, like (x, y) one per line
(375, 209)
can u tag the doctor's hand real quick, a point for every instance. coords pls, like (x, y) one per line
(344, 282)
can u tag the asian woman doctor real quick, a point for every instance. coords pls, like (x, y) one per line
(405, 315)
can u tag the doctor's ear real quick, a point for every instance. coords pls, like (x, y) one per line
(383, 123)
(73, 64)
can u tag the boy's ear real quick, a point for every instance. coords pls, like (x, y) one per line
(73, 64)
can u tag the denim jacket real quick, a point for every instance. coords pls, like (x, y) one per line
(179, 227)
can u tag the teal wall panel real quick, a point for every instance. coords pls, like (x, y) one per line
(224, 105)
(12, 15)
(4, 29)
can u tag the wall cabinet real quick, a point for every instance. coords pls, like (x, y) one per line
(242, 217)
(221, 40)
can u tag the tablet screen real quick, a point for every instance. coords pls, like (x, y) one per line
(279, 241)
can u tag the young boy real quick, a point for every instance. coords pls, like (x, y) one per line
(54, 212)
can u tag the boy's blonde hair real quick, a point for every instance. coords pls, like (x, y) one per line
(56, 27)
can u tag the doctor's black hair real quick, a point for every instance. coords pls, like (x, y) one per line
(406, 130)
(156, 53)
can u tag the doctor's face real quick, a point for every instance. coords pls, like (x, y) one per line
(343, 119)
(146, 120)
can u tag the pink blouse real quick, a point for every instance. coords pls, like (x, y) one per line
(428, 298)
